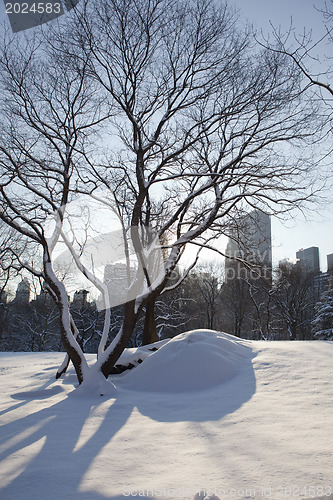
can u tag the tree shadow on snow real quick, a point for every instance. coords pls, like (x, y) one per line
(41, 393)
(55, 465)
(26, 396)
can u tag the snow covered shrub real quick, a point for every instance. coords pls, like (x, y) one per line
(323, 320)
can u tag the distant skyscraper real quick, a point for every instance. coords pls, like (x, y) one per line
(251, 240)
(80, 298)
(324, 281)
(23, 292)
(309, 257)
(118, 278)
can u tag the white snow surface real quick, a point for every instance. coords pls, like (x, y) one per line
(207, 415)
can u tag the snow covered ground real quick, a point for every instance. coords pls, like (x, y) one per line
(207, 412)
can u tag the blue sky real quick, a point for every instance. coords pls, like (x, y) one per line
(295, 233)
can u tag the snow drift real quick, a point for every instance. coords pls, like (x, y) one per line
(192, 361)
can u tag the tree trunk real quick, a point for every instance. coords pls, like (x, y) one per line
(70, 344)
(64, 365)
(71, 349)
(108, 359)
(149, 335)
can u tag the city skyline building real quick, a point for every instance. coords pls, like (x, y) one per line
(324, 281)
(330, 263)
(23, 292)
(310, 258)
(250, 241)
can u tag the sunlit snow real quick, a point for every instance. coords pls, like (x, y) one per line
(207, 415)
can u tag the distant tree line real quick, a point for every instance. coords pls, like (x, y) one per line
(290, 308)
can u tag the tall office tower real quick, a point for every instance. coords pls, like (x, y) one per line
(309, 257)
(23, 292)
(324, 281)
(251, 241)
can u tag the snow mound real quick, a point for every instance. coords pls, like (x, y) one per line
(95, 385)
(192, 361)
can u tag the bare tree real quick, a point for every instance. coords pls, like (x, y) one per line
(47, 108)
(294, 299)
(309, 57)
(8, 241)
(208, 278)
(34, 326)
(193, 116)
(197, 114)
(236, 306)
(261, 294)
